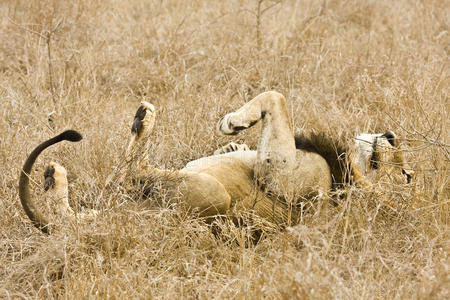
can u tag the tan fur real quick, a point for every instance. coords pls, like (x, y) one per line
(222, 184)
(59, 193)
(59, 198)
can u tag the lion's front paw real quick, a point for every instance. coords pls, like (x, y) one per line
(231, 147)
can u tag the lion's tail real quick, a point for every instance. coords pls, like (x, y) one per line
(31, 210)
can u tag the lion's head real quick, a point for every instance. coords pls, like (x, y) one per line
(380, 155)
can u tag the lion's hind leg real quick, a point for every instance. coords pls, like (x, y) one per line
(204, 193)
(142, 127)
(136, 155)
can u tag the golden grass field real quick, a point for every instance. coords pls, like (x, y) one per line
(345, 67)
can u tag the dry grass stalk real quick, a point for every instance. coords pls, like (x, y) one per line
(361, 66)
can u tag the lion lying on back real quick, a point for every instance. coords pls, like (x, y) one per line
(267, 181)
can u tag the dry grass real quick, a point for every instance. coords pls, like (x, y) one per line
(353, 66)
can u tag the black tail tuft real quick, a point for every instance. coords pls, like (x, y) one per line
(71, 135)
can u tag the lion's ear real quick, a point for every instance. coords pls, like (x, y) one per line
(390, 136)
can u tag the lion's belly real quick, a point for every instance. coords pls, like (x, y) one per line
(236, 176)
(311, 175)
(235, 170)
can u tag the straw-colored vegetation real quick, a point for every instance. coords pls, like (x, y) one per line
(344, 66)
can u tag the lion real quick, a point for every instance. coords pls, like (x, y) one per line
(267, 182)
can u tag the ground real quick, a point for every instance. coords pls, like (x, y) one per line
(344, 66)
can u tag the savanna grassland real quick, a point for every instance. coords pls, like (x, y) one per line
(345, 67)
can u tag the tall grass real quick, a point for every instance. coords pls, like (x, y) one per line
(345, 67)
